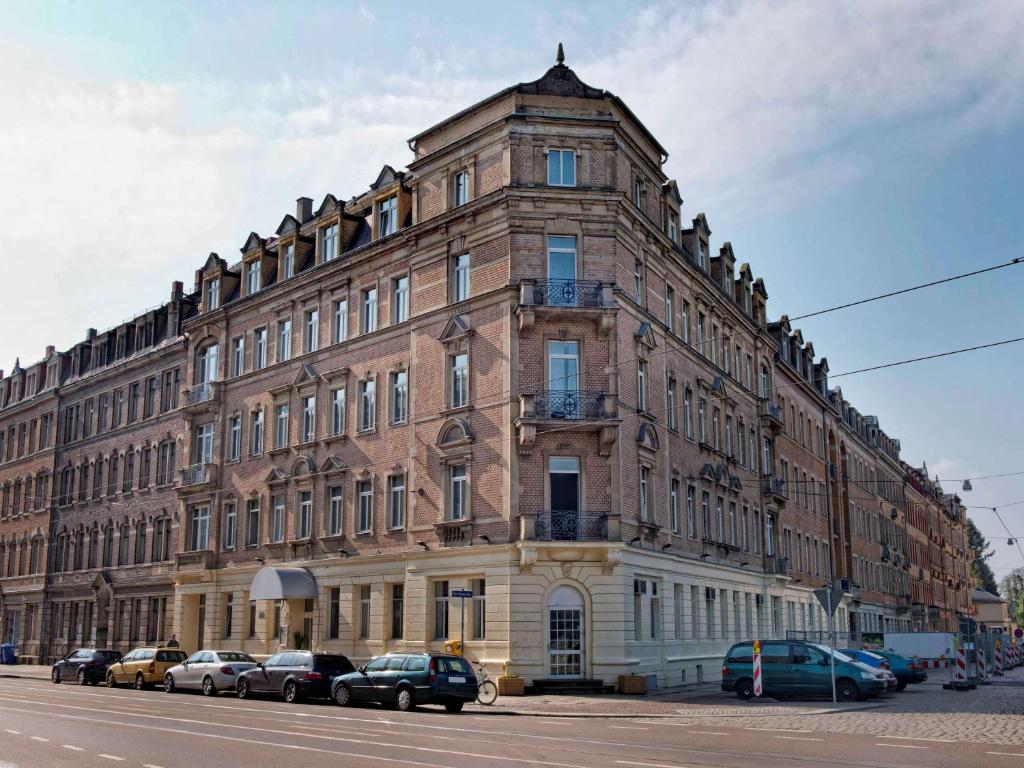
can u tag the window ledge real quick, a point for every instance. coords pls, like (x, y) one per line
(457, 409)
(307, 444)
(278, 451)
(367, 431)
(331, 439)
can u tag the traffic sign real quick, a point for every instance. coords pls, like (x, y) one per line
(1018, 632)
(823, 598)
(462, 593)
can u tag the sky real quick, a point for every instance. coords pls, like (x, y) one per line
(845, 149)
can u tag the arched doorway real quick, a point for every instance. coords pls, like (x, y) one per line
(566, 633)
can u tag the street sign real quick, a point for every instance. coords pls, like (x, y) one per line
(462, 593)
(1018, 632)
(823, 598)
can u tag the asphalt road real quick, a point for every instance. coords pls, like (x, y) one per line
(50, 726)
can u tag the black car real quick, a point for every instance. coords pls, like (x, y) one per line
(86, 665)
(294, 675)
(404, 680)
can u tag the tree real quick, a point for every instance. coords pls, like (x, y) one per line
(1012, 587)
(982, 551)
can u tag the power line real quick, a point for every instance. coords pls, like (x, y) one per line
(984, 477)
(997, 506)
(1018, 260)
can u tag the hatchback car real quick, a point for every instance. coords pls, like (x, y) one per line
(793, 668)
(293, 675)
(907, 671)
(143, 667)
(405, 680)
(88, 666)
(875, 661)
(208, 671)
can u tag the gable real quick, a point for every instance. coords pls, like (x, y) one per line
(288, 225)
(252, 242)
(386, 176)
(305, 374)
(329, 204)
(455, 328)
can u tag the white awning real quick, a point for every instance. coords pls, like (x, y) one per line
(271, 583)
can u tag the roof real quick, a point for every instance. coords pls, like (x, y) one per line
(982, 596)
(271, 583)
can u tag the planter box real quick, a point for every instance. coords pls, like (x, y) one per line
(633, 684)
(511, 686)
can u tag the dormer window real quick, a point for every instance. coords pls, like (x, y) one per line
(288, 262)
(702, 256)
(460, 189)
(673, 226)
(387, 216)
(252, 277)
(329, 243)
(562, 167)
(212, 294)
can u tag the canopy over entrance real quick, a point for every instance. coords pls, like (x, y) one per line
(271, 583)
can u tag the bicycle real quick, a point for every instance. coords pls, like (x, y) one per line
(486, 690)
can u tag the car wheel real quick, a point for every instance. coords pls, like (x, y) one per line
(81, 677)
(242, 689)
(55, 676)
(404, 700)
(169, 684)
(745, 689)
(209, 689)
(140, 682)
(901, 686)
(111, 682)
(291, 692)
(342, 695)
(847, 690)
(454, 706)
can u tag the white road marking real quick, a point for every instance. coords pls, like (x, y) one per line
(109, 757)
(629, 727)
(921, 738)
(780, 730)
(901, 746)
(556, 722)
(150, 765)
(1007, 754)
(38, 738)
(649, 765)
(710, 733)
(796, 738)
(9, 730)
(72, 747)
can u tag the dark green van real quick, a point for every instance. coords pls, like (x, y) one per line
(794, 668)
(404, 680)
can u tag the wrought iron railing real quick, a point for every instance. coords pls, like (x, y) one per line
(200, 393)
(568, 293)
(568, 404)
(773, 411)
(571, 525)
(777, 565)
(196, 474)
(774, 486)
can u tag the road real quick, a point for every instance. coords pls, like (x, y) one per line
(49, 726)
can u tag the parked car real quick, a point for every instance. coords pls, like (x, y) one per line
(293, 675)
(208, 671)
(405, 680)
(907, 671)
(795, 668)
(143, 667)
(875, 661)
(86, 665)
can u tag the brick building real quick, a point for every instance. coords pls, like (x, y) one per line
(510, 369)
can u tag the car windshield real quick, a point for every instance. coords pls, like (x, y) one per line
(840, 656)
(454, 664)
(235, 656)
(334, 665)
(873, 656)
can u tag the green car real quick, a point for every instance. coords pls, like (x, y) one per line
(794, 668)
(907, 671)
(405, 680)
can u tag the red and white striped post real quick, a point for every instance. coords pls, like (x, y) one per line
(758, 688)
(982, 670)
(998, 671)
(960, 673)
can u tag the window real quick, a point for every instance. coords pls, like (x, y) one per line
(369, 314)
(305, 521)
(364, 611)
(479, 589)
(311, 330)
(340, 320)
(148, 407)
(732, 523)
(638, 281)
(646, 499)
(720, 518)
(673, 226)
(705, 513)
(252, 277)
(199, 530)
(208, 365)
(702, 255)
(277, 519)
(367, 404)
(672, 416)
(229, 614)
(308, 418)
(284, 340)
(715, 432)
(688, 412)
(458, 367)
(399, 397)
(396, 501)
(700, 334)
(670, 307)
(691, 513)
(230, 525)
(441, 610)
(256, 433)
(638, 191)
(673, 507)
(252, 523)
(387, 216)
(281, 426)
(334, 511)
(457, 487)
(641, 386)
(400, 300)
(338, 411)
(212, 294)
(460, 277)
(234, 438)
(259, 358)
(329, 243)
(334, 619)
(460, 188)
(562, 167)
(364, 495)
(397, 611)
(238, 356)
(288, 261)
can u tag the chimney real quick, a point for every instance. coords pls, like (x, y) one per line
(177, 288)
(174, 309)
(1, 374)
(50, 350)
(90, 334)
(199, 280)
(303, 209)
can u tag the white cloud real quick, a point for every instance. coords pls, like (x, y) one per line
(366, 14)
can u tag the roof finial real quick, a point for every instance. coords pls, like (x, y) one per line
(560, 58)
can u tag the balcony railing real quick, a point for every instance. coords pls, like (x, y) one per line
(777, 564)
(199, 558)
(774, 486)
(571, 525)
(566, 404)
(569, 293)
(200, 393)
(197, 474)
(772, 413)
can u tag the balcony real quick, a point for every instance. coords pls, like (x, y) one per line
(566, 297)
(775, 489)
(199, 559)
(776, 565)
(772, 417)
(198, 476)
(203, 398)
(586, 411)
(568, 525)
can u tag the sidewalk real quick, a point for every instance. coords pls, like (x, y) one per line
(31, 671)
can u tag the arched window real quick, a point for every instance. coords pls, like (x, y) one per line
(565, 629)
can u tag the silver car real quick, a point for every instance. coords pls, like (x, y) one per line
(208, 671)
